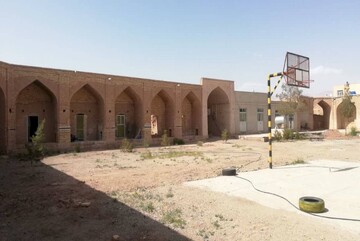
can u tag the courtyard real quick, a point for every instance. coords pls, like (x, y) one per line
(144, 195)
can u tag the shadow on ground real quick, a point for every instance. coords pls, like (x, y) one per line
(41, 203)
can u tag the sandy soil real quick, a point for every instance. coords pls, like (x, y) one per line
(141, 196)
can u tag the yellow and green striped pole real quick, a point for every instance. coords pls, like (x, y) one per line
(280, 74)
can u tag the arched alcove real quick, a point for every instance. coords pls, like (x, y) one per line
(86, 115)
(128, 114)
(35, 103)
(218, 106)
(162, 114)
(191, 115)
(322, 112)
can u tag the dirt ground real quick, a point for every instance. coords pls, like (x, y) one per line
(141, 196)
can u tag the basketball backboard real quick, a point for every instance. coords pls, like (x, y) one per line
(297, 70)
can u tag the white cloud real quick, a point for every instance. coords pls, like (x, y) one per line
(322, 70)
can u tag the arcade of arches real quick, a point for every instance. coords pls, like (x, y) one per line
(99, 110)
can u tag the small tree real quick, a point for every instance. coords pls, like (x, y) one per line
(288, 134)
(347, 107)
(126, 145)
(353, 131)
(165, 139)
(225, 135)
(36, 148)
(290, 97)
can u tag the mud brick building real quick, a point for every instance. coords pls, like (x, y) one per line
(98, 110)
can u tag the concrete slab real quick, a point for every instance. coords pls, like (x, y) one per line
(337, 182)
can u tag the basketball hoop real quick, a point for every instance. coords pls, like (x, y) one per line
(302, 84)
(297, 70)
(297, 73)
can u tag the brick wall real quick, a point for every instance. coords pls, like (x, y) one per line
(58, 95)
(2, 122)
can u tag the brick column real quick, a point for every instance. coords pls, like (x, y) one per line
(147, 98)
(109, 111)
(63, 110)
(11, 109)
(177, 119)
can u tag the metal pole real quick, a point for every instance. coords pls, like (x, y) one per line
(280, 74)
(269, 121)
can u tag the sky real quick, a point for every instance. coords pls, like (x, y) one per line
(185, 40)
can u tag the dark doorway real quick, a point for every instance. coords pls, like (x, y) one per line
(33, 122)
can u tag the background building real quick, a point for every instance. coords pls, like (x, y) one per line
(338, 90)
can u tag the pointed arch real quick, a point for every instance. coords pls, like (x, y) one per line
(322, 112)
(2, 123)
(128, 114)
(89, 88)
(191, 115)
(86, 114)
(35, 103)
(218, 106)
(162, 114)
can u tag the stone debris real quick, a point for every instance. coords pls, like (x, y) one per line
(115, 238)
(83, 204)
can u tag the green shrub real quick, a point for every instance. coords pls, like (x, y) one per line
(77, 148)
(288, 134)
(225, 135)
(174, 217)
(298, 161)
(145, 143)
(297, 136)
(200, 143)
(148, 207)
(169, 194)
(353, 131)
(277, 136)
(35, 149)
(147, 155)
(177, 141)
(165, 139)
(126, 145)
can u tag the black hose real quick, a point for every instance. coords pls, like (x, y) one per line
(287, 200)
